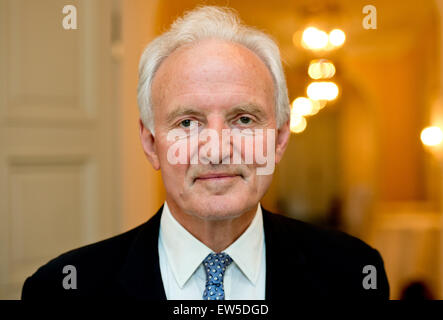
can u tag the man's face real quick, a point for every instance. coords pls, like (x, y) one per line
(219, 86)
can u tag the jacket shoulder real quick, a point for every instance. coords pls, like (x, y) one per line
(97, 263)
(334, 260)
(313, 237)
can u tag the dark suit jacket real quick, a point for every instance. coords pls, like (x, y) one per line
(302, 262)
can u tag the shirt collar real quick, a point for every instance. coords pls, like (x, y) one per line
(185, 253)
(247, 250)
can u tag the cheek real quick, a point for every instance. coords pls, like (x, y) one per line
(263, 183)
(172, 151)
(257, 149)
(173, 171)
(173, 177)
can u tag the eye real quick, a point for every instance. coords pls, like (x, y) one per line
(187, 123)
(244, 120)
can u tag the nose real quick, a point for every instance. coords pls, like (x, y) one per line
(214, 143)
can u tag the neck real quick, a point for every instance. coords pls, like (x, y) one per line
(215, 234)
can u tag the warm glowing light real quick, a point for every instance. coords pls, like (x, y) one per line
(322, 103)
(316, 106)
(305, 107)
(314, 38)
(337, 37)
(321, 69)
(431, 136)
(297, 123)
(302, 106)
(324, 90)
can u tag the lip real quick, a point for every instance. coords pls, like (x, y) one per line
(216, 176)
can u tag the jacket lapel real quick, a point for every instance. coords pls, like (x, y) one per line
(141, 276)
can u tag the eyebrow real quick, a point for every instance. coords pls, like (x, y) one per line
(182, 111)
(250, 108)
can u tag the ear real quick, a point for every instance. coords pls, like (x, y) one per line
(148, 143)
(283, 135)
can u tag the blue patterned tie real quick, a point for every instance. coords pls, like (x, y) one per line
(215, 265)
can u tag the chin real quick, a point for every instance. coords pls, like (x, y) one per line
(221, 207)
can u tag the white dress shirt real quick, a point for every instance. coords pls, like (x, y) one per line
(181, 256)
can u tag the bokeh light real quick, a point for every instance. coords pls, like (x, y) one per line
(305, 107)
(302, 106)
(431, 136)
(298, 123)
(321, 69)
(337, 37)
(323, 90)
(314, 38)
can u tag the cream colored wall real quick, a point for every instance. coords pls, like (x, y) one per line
(57, 139)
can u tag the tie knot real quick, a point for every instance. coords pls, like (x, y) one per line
(215, 266)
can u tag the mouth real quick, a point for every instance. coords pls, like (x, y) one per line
(217, 177)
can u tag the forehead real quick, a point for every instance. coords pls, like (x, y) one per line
(212, 71)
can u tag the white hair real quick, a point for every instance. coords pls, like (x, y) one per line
(203, 23)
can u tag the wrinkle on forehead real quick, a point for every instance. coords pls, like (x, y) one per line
(212, 65)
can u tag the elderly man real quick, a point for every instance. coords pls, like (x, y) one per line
(215, 119)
